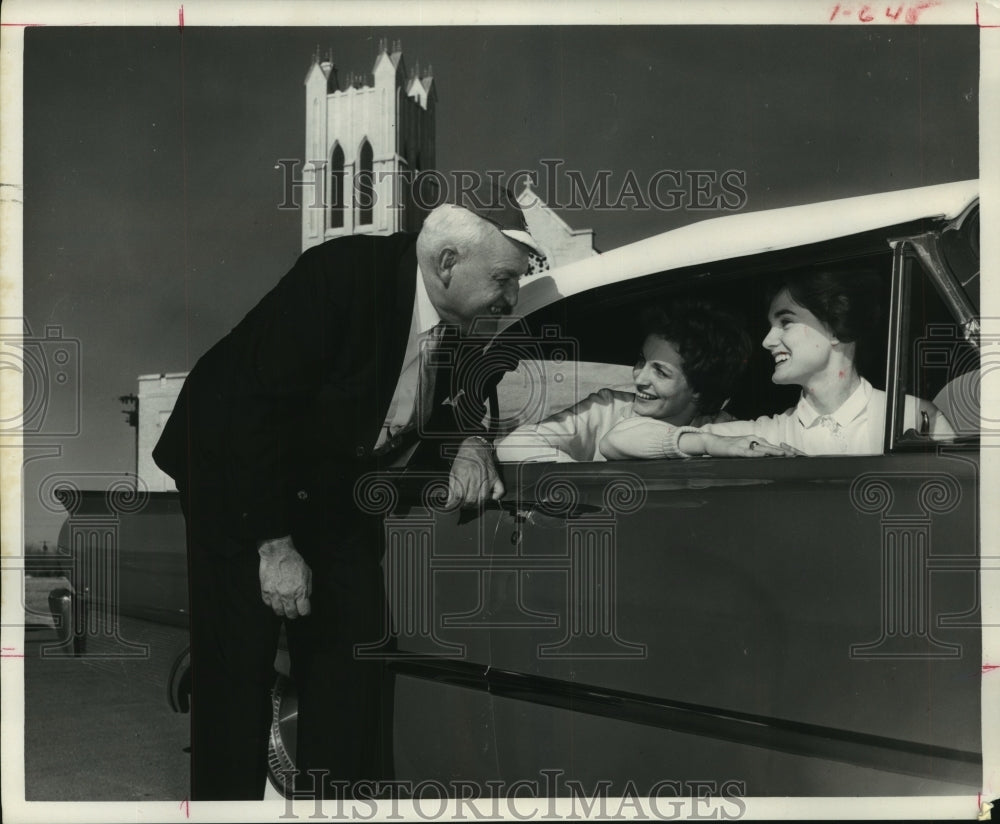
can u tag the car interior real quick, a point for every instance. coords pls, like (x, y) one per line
(599, 330)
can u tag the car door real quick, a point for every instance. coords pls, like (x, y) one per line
(802, 625)
(796, 626)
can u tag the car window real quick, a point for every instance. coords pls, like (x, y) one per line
(597, 334)
(538, 388)
(937, 363)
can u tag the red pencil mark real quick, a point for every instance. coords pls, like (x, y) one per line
(912, 14)
(180, 17)
(186, 806)
(23, 25)
(867, 14)
(8, 652)
(840, 374)
(985, 25)
(990, 667)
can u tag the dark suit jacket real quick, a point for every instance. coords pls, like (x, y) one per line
(289, 404)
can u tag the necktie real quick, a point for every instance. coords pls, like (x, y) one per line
(427, 376)
(396, 434)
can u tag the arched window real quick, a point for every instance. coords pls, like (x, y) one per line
(364, 185)
(337, 188)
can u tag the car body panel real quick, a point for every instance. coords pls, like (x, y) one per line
(769, 623)
(742, 583)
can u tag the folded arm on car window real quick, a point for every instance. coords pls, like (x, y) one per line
(603, 427)
(577, 433)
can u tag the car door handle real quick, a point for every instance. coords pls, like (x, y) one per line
(531, 511)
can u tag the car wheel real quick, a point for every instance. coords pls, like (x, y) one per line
(281, 750)
(179, 683)
(61, 609)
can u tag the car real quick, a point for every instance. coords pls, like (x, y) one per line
(801, 626)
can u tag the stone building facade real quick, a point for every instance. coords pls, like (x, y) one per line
(157, 395)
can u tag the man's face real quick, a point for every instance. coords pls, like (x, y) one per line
(484, 281)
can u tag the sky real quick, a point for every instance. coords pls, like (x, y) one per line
(151, 193)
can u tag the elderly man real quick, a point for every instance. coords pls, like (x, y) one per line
(326, 379)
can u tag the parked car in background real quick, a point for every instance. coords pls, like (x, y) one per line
(782, 626)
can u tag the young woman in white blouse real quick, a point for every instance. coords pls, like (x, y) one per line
(819, 320)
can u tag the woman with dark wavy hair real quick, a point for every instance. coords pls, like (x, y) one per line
(820, 322)
(691, 356)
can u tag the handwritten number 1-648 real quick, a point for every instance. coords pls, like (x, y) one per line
(868, 14)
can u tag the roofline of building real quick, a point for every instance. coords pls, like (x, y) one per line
(162, 375)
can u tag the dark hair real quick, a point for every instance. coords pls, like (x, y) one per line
(846, 300)
(713, 344)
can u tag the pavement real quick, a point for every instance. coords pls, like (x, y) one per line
(98, 729)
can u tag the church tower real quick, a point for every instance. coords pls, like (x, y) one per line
(365, 143)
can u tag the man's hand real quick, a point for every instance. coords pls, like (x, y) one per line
(285, 578)
(474, 477)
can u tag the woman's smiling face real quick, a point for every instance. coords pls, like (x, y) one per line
(799, 342)
(661, 387)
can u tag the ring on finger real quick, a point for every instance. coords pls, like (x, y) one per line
(754, 445)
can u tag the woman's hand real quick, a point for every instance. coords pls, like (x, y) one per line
(745, 446)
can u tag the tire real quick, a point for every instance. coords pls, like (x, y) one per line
(281, 748)
(179, 683)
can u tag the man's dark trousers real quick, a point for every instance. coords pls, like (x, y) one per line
(344, 706)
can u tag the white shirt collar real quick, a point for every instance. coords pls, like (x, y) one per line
(425, 315)
(844, 414)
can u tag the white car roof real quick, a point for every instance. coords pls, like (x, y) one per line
(746, 233)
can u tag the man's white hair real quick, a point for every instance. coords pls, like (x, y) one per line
(450, 225)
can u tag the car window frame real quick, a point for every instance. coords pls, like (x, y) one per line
(922, 251)
(755, 270)
(918, 239)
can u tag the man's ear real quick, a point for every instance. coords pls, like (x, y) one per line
(447, 258)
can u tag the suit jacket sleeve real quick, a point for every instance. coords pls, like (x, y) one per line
(279, 356)
(240, 425)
